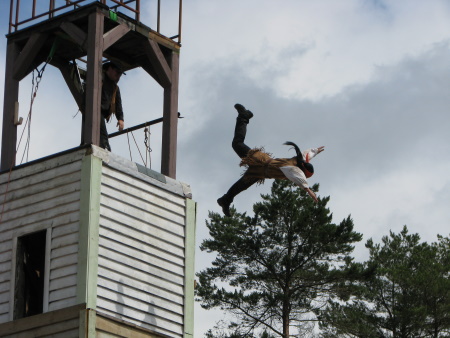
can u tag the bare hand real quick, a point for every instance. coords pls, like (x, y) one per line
(312, 194)
(120, 124)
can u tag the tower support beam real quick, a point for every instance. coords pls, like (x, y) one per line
(9, 133)
(91, 128)
(170, 124)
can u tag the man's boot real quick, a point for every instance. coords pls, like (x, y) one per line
(244, 113)
(242, 184)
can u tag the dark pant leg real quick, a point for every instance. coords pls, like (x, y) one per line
(104, 142)
(242, 184)
(239, 137)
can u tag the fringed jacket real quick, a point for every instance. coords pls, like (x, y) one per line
(261, 165)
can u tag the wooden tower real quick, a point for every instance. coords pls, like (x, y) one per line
(91, 244)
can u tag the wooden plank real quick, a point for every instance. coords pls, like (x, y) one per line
(121, 287)
(76, 34)
(155, 196)
(6, 256)
(35, 322)
(4, 297)
(133, 206)
(27, 225)
(189, 275)
(115, 34)
(88, 237)
(28, 54)
(65, 293)
(4, 317)
(63, 241)
(65, 250)
(72, 83)
(62, 304)
(5, 276)
(107, 327)
(48, 248)
(64, 229)
(150, 269)
(148, 233)
(63, 282)
(47, 199)
(11, 96)
(94, 79)
(39, 220)
(5, 287)
(158, 217)
(170, 123)
(139, 243)
(158, 291)
(123, 271)
(113, 177)
(141, 318)
(159, 63)
(4, 311)
(44, 166)
(64, 271)
(167, 232)
(142, 256)
(54, 176)
(68, 260)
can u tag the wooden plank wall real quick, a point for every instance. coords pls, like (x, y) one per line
(141, 253)
(44, 195)
(64, 324)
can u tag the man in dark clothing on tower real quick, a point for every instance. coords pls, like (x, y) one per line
(260, 165)
(111, 103)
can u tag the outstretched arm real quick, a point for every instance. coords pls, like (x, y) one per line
(312, 194)
(297, 176)
(310, 153)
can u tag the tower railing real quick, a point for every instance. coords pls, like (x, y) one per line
(24, 13)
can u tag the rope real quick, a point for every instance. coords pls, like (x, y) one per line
(129, 148)
(34, 89)
(137, 146)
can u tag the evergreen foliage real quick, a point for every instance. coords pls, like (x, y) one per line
(407, 296)
(283, 263)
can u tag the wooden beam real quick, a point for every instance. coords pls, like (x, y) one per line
(159, 63)
(67, 71)
(28, 54)
(114, 35)
(9, 134)
(75, 33)
(91, 128)
(170, 122)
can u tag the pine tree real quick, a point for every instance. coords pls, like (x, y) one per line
(407, 296)
(274, 268)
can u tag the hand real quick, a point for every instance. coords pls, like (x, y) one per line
(120, 124)
(312, 194)
(320, 149)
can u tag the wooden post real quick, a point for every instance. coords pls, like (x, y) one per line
(170, 121)
(9, 134)
(91, 130)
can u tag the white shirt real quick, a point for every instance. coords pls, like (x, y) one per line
(295, 174)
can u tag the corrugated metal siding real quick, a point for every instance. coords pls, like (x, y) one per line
(141, 253)
(42, 196)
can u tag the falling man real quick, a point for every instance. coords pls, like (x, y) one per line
(260, 165)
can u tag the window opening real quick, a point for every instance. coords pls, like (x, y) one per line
(30, 271)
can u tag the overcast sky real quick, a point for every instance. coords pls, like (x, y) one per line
(369, 80)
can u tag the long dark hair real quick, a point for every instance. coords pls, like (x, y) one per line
(306, 167)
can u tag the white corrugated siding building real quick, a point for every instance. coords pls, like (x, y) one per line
(119, 247)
